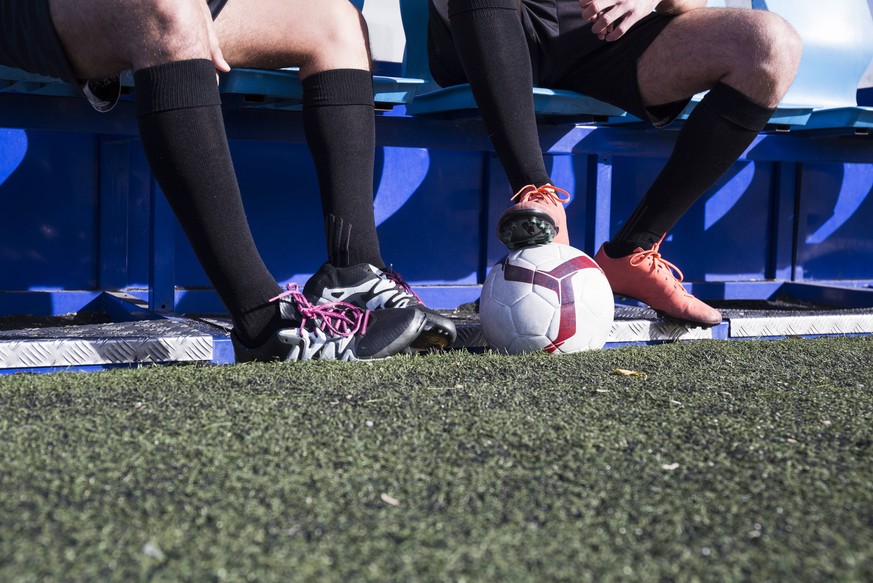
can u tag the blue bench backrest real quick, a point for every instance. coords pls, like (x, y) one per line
(837, 49)
(414, 14)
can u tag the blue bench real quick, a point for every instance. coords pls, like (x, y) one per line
(282, 89)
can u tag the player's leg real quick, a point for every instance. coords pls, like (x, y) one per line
(315, 36)
(487, 41)
(101, 37)
(328, 40)
(754, 51)
(747, 60)
(169, 46)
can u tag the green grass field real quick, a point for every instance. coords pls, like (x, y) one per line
(719, 461)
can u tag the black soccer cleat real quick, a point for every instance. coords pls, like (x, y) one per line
(334, 331)
(371, 288)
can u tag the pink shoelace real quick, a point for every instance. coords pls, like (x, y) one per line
(546, 193)
(335, 318)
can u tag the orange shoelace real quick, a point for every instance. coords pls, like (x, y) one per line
(659, 262)
(546, 193)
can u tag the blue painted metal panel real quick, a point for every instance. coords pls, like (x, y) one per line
(281, 196)
(783, 226)
(44, 303)
(749, 218)
(124, 214)
(600, 188)
(831, 295)
(495, 200)
(120, 307)
(429, 214)
(113, 212)
(139, 218)
(280, 193)
(200, 301)
(835, 218)
(47, 210)
(726, 233)
(162, 258)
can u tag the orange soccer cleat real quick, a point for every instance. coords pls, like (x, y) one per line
(646, 276)
(536, 219)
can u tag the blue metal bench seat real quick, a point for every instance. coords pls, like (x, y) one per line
(17, 81)
(547, 103)
(279, 89)
(858, 120)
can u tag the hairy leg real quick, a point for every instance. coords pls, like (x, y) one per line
(315, 36)
(754, 51)
(102, 37)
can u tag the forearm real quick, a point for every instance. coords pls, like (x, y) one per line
(679, 6)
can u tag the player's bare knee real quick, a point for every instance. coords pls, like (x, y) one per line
(172, 30)
(778, 48)
(345, 38)
(765, 55)
(790, 49)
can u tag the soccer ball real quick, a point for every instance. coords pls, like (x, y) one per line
(547, 297)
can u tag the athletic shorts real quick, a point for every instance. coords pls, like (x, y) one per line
(28, 41)
(565, 54)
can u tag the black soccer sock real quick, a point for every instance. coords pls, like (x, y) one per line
(716, 133)
(182, 131)
(492, 48)
(340, 129)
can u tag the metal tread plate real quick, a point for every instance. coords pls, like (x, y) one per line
(151, 341)
(637, 324)
(86, 341)
(809, 325)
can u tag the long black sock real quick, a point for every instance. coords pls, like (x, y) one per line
(716, 133)
(182, 131)
(492, 48)
(339, 124)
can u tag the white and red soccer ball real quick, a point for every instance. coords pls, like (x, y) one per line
(547, 297)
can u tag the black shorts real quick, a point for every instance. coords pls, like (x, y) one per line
(565, 54)
(28, 41)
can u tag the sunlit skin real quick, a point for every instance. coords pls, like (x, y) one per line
(102, 37)
(753, 51)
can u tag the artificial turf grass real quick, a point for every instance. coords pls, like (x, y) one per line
(728, 460)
